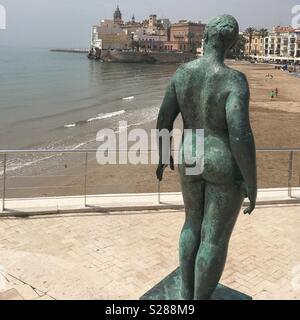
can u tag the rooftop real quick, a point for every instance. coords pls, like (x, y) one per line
(280, 29)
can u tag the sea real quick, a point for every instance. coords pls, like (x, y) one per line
(53, 100)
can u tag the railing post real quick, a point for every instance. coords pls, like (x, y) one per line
(290, 184)
(158, 192)
(85, 179)
(4, 183)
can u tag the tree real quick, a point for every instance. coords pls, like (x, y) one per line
(238, 49)
(263, 32)
(250, 33)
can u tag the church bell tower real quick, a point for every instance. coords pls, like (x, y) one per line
(118, 16)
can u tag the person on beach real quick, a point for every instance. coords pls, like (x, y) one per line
(272, 95)
(210, 96)
(276, 92)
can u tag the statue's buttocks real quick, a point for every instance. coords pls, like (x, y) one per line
(206, 110)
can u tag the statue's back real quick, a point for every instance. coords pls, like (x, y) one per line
(215, 98)
(202, 93)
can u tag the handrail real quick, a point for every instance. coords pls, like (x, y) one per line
(95, 150)
(5, 154)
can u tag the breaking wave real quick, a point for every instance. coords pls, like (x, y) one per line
(128, 98)
(100, 116)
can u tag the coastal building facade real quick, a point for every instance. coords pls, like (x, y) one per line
(282, 42)
(281, 45)
(185, 36)
(148, 41)
(109, 36)
(151, 34)
(164, 23)
(297, 32)
(131, 27)
(255, 46)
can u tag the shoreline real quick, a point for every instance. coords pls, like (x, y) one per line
(275, 124)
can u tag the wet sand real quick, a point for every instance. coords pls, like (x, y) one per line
(276, 124)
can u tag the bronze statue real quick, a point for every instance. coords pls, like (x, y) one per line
(211, 96)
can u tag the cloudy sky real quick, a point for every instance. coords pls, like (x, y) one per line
(66, 23)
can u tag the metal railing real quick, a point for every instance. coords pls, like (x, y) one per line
(6, 153)
(291, 152)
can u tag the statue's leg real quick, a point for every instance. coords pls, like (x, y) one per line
(222, 207)
(193, 195)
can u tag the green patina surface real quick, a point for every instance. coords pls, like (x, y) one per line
(169, 289)
(210, 96)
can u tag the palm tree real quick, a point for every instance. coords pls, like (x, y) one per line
(250, 33)
(238, 49)
(263, 32)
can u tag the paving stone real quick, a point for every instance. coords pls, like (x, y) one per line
(11, 294)
(121, 256)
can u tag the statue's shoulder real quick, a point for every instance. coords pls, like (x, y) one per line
(238, 82)
(237, 76)
(186, 70)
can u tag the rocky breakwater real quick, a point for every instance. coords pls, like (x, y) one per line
(143, 57)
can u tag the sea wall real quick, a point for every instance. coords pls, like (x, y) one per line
(70, 50)
(146, 57)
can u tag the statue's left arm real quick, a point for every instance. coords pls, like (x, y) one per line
(241, 136)
(167, 115)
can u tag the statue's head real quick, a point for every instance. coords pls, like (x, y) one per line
(222, 32)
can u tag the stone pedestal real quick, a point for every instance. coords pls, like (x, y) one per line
(169, 289)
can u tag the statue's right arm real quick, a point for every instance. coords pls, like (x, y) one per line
(241, 136)
(167, 115)
(169, 109)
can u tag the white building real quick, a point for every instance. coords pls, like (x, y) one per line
(283, 43)
(297, 32)
(95, 41)
(149, 41)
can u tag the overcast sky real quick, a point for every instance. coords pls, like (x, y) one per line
(66, 23)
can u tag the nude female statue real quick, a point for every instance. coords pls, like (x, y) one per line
(213, 97)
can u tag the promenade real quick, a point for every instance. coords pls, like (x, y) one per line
(121, 255)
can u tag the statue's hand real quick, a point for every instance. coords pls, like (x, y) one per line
(161, 169)
(251, 194)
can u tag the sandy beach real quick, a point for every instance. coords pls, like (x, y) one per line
(275, 124)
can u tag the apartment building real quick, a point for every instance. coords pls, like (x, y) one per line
(185, 36)
(282, 42)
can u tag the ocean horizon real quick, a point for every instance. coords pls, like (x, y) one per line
(51, 100)
(61, 100)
